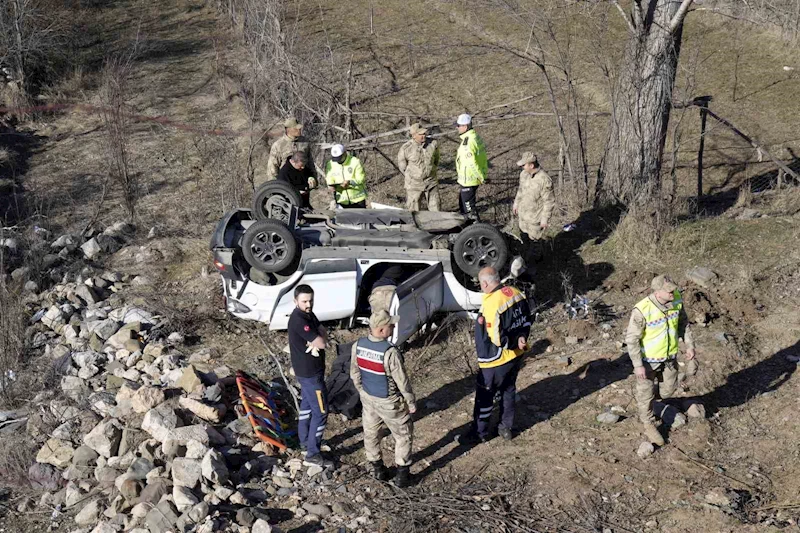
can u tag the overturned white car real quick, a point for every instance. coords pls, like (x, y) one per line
(263, 255)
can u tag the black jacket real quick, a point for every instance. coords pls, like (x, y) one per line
(297, 178)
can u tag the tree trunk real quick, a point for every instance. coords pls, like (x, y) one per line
(641, 104)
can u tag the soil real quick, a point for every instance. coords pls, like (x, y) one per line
(562, 464)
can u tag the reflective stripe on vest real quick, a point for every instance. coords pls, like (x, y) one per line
(369, 357)
(356, 192)
(494, 305)
(660, 339)
(471, 166)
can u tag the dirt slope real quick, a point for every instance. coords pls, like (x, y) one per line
(426, 67)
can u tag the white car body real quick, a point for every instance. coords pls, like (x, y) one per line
(336, 276)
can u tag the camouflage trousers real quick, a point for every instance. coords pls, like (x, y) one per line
(414, 197)
(381, 298)
(391, 413)
(529, 247)
(663, 376)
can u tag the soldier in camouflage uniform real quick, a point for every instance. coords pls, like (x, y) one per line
(377, 371)
(290, 142)
(533, 204)
(418, 160)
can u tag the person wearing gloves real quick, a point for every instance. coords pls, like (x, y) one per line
(346, 178)
(307, 342)
(471, 165)
(297, 172)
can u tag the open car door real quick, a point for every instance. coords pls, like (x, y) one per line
(416, 300)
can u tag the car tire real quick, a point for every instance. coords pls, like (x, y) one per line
(479, 246)
(274, 200)
(269, 246)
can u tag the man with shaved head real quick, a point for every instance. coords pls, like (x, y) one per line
(501, 337)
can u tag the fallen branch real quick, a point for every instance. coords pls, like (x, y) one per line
(706, 467)
(749, 140)
(280, 369)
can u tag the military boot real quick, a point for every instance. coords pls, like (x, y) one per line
(379, 471)
(653, 435)
(403, 477)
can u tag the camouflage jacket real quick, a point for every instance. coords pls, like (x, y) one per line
(281, 149)
(534, 202)
(419, 164)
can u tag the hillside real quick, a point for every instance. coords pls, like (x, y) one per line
(194, 137)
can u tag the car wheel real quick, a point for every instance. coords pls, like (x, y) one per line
(269, 246)
(274, 200)
(480, 246)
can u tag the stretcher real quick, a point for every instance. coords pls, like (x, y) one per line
(266, 411)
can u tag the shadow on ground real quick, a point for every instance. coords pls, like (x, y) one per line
(551, 396)
(763, 377)
(17, 146)
(724, 197)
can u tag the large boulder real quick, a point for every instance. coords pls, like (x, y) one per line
(56, 452)
(146, 398)
(162, 518)
(75, 388)
(104, 329)
(213, 467)
(189, 380)
(91, 248)
(54, 317)
(205, 435)
(154, 491)
(44, 476)
(86, 294)
(123, 336)
(104, 438)
(702, 276)
(89, 514)
(186, 472)
(184, 498)
(160, 422)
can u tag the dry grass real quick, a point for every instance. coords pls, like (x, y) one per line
(17, 455)
(12, 340)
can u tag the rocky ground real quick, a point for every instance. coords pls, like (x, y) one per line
(141, 432)
(123, 415)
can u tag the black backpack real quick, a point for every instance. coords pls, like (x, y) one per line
(343, 397)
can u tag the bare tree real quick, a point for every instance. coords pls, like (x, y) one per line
(116, 120)
(630, 172)
(548, 39)
(31, 40)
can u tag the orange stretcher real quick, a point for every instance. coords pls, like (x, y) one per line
(264, 410)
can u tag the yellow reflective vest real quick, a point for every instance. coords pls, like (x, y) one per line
(660, 338)
(506, 315)
(350, 170)
(471, 163)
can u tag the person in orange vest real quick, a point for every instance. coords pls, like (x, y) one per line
(501, 338)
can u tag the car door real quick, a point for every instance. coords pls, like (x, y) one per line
(416, 300)
(334, 283)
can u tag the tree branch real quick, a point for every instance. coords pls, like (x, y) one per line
(677, 20)
(628, 20)
(636, 13)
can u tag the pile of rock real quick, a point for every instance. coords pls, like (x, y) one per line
(60, 256)
(146, 435)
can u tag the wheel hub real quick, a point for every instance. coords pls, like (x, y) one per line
(480, 251)
(269, 248)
